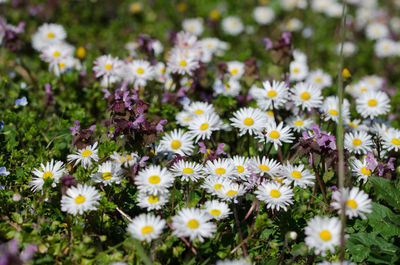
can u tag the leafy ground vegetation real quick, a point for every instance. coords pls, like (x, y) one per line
(200, 132)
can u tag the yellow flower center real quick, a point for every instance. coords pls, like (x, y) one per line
(108, 66)
(275, 193)
(274, 134)
(182, 63)
(122, 159)
(357, 142)
(220, 171)
(218, 186)
(215, 212)
(318, 79)
(325, 235)
(152, 199)
(50, 35)
(396, 141)
(365, 171)
(154, 179)
(186, 119)
(234, 71)
(106, 175)
(175, 144)
(128, 157)
(204, 126)
(364, 89)
(231, 193)
(239, 169)
(248, 121)
(263, 167)
(352, 204)
(56, 54)
(140, 70)
(296, 70)
(188, 170)
(272, 94)
(296, 174)
(270, 113)
(61, 65)
(47, 175)
(80, 199)
(372, 102)
(333, 112)
(305, 96)
(81, 52)
(193, 224)
(298, 123)
(353, 124)
(147, 229)
(198, 112)
(214, 14)
(86, 153)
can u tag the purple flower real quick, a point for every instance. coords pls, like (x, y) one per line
(76, 128)
(286, 36)
(159, 126)
(21, 101)
(268, 43)
(371, 162)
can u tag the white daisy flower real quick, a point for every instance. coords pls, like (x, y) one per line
(357, 202)
(319, 79)
(213, 185)
(376, 30)
(349, 49)
(322, 234)
(230, 88)
(358, 142)
(235, 69)
(138, 72)
(297, 174)
(360, 169)
(126, 160)
(177, 141)
(146, 227)
(157, 46)
(385, 48)
(199, 108)
(375, 82)
(299, 124)
(345, 262)
(356, 125)
(248, 120)
(188, 171)
(216, 209)
(193, 25)
(154, 180)
(109, 68)
(231, 192)
(221, 167)
(62, 65)
(193, 223)
(372, 104)
(293, 25)
(183, 61)
(84, 156)
(183, 118)
(298, 71)
(276, 196)
(272, 95)
(151, 202)
(108, 173)
(53, 170)
(263, 15)
(56, 53)
(264, 166)
(80, 199)
(201, 127)
(276, 134)
(306, 96)
(232, 25)
(242, 166)
(391, 140)
(48, 34)
(331, 109)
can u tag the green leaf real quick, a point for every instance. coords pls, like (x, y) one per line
(386, 191)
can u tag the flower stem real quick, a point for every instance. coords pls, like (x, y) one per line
(239, 230)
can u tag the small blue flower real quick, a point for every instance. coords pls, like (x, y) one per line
(21, 101)
(4, 172)
(1, 125)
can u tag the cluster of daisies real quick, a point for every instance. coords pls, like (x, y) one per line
(49, 41)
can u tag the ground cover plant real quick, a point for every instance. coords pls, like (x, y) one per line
(200, 132)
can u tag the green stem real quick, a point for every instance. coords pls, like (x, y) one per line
(340, 132)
